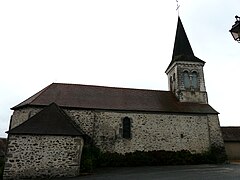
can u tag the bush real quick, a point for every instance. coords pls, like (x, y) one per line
(89, 158)
(92, 157)
(1, 167)
(216, 155)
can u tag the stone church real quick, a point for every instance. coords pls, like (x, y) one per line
(47, 130)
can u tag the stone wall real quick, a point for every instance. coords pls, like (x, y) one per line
(32, 156)
(149, 131)
(215, 132)
(170, 132)
(176, 82)
(21, 115)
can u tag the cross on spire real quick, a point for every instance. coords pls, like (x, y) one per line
(178, 6)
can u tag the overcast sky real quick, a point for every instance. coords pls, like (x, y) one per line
(120, 43)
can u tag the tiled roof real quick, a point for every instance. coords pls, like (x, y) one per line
(182, 50)
(110, 98)
(231, 133)
(52, 120)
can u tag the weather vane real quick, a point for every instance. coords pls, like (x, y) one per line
(178, 6)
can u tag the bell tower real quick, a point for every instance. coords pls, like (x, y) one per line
(185, 71)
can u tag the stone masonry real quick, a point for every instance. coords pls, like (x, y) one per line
(176, 82)
(149, 131)
(36, 156)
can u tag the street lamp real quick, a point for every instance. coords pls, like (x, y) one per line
(235, 31)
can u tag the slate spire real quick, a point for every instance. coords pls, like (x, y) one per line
(182, 45)
(182, 50)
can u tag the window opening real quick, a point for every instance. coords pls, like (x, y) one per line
(186, 79)
(194, 80)
(126, 128)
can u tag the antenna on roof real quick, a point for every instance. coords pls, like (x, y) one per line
(178, 6)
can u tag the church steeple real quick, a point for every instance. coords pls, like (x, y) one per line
(182, 47)
(185, 71)
(182, 44)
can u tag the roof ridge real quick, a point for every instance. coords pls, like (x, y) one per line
(68, 118)
(110, 87)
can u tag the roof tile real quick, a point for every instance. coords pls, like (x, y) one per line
(111, 98)
(231, 133)
(52, 120)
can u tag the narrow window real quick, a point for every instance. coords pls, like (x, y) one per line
(29, 114)
(126, 128)
(186, 79)
(174, 77)
(171, 84)
(194, 80)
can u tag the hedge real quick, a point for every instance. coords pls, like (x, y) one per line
(92, 158)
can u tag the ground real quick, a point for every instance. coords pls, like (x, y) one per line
(189, 172)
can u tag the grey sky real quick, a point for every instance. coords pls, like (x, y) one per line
(125, 43)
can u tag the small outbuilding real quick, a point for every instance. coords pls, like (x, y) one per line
(47, 145)
(231, 137)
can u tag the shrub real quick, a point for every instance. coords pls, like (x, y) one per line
(89, 158)
(216, 155)
(92, 157)
(1, 167)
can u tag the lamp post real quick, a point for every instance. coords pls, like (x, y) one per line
(235, 31)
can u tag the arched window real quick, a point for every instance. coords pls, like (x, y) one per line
(186, 79)
(126, 128)
(194, 79)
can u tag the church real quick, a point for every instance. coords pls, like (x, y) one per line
(48, 130)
